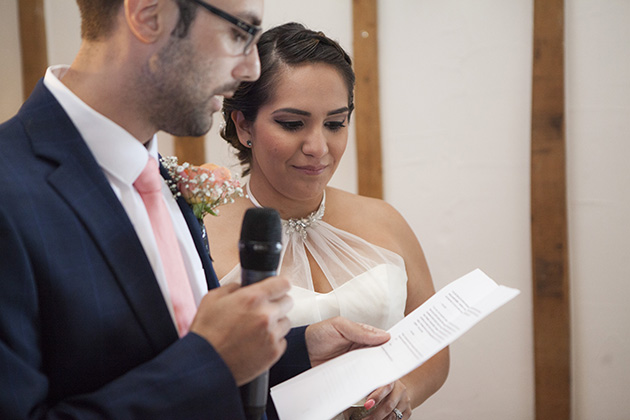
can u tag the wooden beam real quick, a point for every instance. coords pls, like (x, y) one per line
(552, 347)
(33, 43)
(367, 114)
(190, 149)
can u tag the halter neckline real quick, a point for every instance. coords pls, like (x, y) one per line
(295, 225)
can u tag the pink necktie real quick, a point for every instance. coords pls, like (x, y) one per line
(149, 185)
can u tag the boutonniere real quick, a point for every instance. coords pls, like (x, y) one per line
(204, 187)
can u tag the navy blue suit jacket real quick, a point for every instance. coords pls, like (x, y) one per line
(84, 329)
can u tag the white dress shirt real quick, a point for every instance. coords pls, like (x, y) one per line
(122, 157)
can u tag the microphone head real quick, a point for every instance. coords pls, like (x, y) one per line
(261, 225)
(261, 239)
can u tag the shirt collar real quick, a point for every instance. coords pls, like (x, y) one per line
(117, 152)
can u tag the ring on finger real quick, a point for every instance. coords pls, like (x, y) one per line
(397, 413)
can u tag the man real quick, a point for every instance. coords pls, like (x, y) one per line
(88, 327)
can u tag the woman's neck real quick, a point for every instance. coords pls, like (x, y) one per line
(287, 207)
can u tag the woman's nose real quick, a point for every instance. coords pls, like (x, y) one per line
(315, 144)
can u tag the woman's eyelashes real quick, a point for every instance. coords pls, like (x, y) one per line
(336, 125)
(290, 125)
(295, 125)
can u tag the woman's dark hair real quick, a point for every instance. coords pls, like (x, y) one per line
(290, 44)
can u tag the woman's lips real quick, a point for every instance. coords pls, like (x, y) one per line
(311, 170)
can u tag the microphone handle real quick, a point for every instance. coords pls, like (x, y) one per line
(254, 396)
(253, 276)
(254, 393)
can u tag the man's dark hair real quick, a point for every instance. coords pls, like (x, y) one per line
(98, 17)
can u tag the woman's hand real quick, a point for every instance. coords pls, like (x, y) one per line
(390, 402)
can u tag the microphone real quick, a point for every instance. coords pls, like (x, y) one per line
(259, 250)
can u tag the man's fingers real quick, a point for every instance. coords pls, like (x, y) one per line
(228, 288)
(222, 291)
(285, 303)
(274, 287)
(362, 333)
(284, 326)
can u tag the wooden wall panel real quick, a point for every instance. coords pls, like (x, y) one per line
(33, 43)
(552, 355)
(190, 149)
(367, 115)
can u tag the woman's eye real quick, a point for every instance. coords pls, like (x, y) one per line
(290, 125)
(335, 125)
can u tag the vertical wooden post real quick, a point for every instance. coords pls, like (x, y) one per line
(33, 43)
(549, 223)
(367, 101)
(190, 149)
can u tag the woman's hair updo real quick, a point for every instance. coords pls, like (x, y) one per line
(291, 45)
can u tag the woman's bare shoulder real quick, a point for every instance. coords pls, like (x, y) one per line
(372, 219)
(349, 207)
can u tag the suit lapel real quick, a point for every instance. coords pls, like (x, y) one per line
(196, 230)
(81, 182)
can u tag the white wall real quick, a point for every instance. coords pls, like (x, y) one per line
(598, 132)
(455, 92)
(456, 88)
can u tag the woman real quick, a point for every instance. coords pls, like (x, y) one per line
(346, 255)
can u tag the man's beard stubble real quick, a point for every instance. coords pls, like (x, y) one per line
(173, 83)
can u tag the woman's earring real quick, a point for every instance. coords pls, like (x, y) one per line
(249, 143)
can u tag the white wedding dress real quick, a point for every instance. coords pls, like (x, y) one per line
(369, 282)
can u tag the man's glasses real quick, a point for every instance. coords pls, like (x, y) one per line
(248, 34)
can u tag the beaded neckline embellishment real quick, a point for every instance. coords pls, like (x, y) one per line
(299, 226)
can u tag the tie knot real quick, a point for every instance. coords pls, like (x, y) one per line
(149, 180)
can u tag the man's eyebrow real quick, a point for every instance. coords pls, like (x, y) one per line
(250, 18)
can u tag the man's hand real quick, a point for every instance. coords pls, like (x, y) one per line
(246, 325)
(328, 339)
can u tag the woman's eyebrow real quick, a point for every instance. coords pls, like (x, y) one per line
(292, 111)
(339, 111)
(308, 114)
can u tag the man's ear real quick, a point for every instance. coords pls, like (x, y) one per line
(149, 19)
(243, 127)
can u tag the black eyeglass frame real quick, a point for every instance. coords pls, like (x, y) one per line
(252, 30)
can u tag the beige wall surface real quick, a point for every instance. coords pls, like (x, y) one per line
(598, 129)
(10, 65)
(455, 104)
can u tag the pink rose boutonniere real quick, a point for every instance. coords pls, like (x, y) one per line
(204, 187)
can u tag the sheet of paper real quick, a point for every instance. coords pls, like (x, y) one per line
(324, 391)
